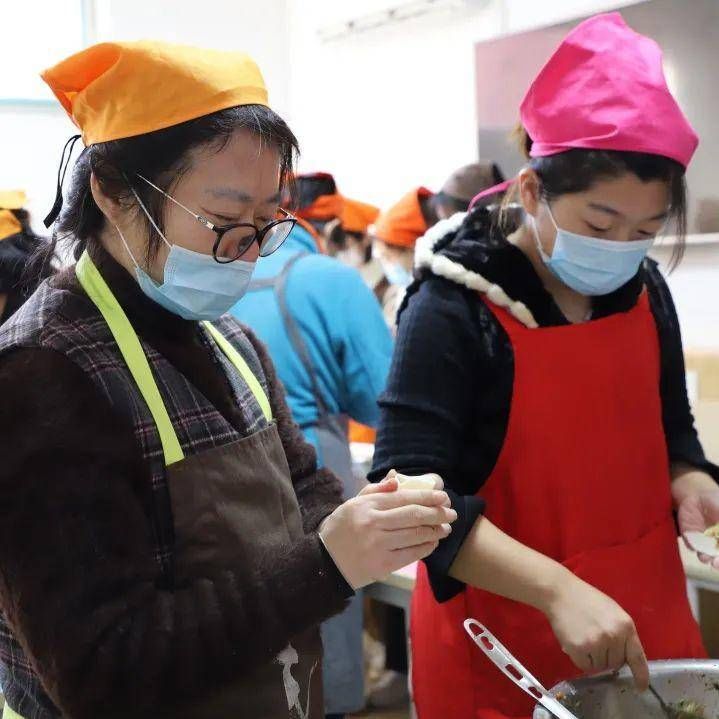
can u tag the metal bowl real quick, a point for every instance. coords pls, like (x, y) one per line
(614, 696)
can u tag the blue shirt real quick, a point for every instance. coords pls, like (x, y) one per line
(341, 322)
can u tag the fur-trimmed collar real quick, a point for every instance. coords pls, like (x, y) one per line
(427, 258)
(469, 250)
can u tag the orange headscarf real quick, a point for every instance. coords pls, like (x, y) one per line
(12, 199)
(403, 224)
(358, 216)
(9, 224)
(115, 90)
(361, 433)
(324, 207)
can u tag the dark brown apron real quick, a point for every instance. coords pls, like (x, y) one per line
(235, 506)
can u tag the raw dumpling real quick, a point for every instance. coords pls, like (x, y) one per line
(422, 481)
(706, 542)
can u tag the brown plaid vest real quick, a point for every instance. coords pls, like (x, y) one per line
(69, 323)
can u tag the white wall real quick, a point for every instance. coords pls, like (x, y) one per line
(32, 132)
(389, 108)
(258, 27)
(32, 138)
(695, 292)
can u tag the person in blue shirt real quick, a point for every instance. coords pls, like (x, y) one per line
(340, 323)
(332, 349)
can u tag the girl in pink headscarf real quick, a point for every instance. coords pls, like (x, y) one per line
(540, 373)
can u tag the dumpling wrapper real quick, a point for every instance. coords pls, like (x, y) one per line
(702, 543)
(422, 481)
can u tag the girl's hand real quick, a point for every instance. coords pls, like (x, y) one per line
(595, 632)
(384, 529)
(698, 512)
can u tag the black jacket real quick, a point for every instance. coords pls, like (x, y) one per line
(446, 406)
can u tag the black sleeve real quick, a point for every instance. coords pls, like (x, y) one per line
(79, 583)
(682, 440)
(428, 407)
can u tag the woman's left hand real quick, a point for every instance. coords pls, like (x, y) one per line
(697, 512)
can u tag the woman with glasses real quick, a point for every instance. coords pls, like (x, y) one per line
(168, 546)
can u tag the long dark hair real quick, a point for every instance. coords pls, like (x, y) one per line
(162, 157)
(577, 170)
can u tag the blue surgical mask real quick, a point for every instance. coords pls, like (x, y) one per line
(396, 273)
(589, 265)
(195, 286)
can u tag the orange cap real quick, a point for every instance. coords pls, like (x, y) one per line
(9, 224)
(325, 207)
(12, 199)
(122, 89)
(318, 197)
(361, 433)
(358, 216)
(403, 224)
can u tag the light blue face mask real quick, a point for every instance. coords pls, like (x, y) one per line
(589, 265)
(396, 273)
(195, 286)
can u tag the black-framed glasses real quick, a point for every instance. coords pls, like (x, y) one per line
(235, 240)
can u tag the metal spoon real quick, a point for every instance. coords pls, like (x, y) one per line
(670, 711)
(506, 663)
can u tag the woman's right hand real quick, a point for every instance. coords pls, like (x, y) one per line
(384, 529)
(596, 633)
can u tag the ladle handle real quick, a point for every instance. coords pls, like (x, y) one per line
(502, 658)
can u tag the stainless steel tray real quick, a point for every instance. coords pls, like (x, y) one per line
(614, 696)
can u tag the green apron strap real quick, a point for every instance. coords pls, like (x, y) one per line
(242, 367)
(8, 713)
(131, 349)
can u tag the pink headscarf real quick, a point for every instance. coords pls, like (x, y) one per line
(604, 89)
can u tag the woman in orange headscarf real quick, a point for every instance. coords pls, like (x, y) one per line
(168, 546)
(318, 207)
(356, 218)
(394, 236)
(19, 247)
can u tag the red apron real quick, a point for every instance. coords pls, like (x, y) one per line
(583, 477)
